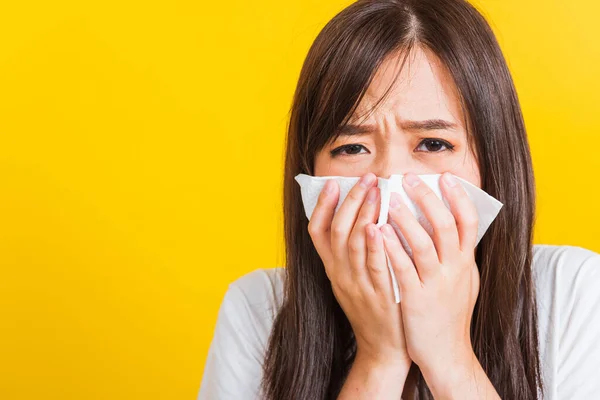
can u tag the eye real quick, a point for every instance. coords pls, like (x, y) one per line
(430, 145)
(348, 150)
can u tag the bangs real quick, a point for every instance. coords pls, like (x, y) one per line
(402, 55)
(341, 65)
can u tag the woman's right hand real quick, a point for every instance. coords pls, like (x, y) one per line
(352, 250)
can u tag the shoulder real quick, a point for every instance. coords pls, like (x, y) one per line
(566, 276)
(265, 284)
(552, 256)
(257, 295)
(567, 280)
(250, 305)
(565, 268)
(233, 368)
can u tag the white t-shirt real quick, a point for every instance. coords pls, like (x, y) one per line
(567, 280)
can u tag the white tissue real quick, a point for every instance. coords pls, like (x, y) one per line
(487, 206)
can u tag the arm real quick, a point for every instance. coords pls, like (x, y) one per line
(578, 325)
(465, 380)
(233, 368)
(370, 379)
(439, 286)
(353, 255)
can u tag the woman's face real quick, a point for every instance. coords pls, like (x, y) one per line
(418, 128)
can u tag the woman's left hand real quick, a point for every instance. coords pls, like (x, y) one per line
(439, 289)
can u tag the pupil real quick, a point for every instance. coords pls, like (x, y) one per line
(434, 145)
(353, 149)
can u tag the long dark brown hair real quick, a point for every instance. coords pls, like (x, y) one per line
(311, 347)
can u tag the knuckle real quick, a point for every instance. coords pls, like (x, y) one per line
(374, 266)
(354, 247)
(354, 196)
(446, 223)
(373, 249)
(471, 220)
(338, 230)
(313, 228)
(426, 194)
(400, 265)
(343, 285)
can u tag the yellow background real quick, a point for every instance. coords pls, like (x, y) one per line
(128, 134)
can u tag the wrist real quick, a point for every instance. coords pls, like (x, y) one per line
(389, 366)
(374, 378)
(445, 380)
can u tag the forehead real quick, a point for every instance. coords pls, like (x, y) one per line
(421, 89)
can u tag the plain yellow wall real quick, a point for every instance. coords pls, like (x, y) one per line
(129, 135)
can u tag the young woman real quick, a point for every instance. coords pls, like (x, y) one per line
(410, 87)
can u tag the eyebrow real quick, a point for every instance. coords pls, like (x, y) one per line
(426, 125)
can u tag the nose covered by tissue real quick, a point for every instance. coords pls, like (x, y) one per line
(487, 206)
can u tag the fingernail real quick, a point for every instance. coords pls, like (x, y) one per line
(450, 179)
(394, 200)
(328, 186)
(366, 180)
(372, 196)
(412, 180)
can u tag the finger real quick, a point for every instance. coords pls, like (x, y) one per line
(377, 263)
(403, 267)
(465, 213)
(346, 215)
(319, 226)
(421, 244)
(445, 233)
(357, 242)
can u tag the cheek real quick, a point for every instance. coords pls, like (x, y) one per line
(468, 169)
(324, 165)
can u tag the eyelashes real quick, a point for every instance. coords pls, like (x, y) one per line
(338, 151)
(435, 143)
(428, 145)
